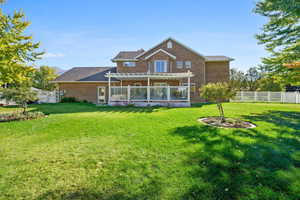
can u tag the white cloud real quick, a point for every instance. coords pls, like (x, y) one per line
(52, 55)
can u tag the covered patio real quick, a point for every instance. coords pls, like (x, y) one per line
(144, 95)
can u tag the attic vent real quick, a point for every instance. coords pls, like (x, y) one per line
(169, 45)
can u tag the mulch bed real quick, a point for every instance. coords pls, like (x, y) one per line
(229, 122)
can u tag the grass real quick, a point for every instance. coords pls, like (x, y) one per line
(81, 151)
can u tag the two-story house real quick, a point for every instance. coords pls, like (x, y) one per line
(169, 73)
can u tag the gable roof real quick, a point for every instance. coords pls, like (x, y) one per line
(135, 55)
(217, 58)
(169, 38)
(160, 50)
(127, 55)
(86, 74)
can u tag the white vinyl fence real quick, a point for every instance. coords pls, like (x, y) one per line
(46, 96)
(282, 97)
(43, 97)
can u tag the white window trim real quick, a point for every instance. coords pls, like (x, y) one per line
(166, 65)
(169, 44)
(186, 64)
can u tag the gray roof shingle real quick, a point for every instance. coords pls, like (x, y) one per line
(128, 54)
(86, 74)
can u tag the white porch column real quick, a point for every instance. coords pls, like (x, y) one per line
(189, 87)
(168, 93)
(109, 87)
(148, 90)
(128, 93)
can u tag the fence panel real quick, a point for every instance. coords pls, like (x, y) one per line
(119, 94)
(179, 93)
(284, 97)
(138, 93)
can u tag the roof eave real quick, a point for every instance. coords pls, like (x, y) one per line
(124, 60)
(227, 60)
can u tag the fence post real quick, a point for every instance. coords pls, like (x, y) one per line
(269, 96)
(255, 96)
(282, 99)
(297, 97)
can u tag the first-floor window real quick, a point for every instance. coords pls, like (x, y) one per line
(129, 64)
(160, 66)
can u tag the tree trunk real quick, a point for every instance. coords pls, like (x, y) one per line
(24, 105)
(221, 111)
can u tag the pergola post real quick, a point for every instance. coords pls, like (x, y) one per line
(189, 86)
(109, 87)
(128, 93)
(148, 90)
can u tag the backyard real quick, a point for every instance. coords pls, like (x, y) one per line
(81, 151)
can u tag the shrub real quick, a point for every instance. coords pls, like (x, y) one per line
(14, 116)
(68, 100)
(20, 95)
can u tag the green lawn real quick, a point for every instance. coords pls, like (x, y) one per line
(81, 151)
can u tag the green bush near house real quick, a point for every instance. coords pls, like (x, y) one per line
(81, 151)
(68, 100)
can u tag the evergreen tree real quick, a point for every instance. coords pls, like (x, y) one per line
(281, 36)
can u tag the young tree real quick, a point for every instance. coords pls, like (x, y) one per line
(16, 49)
(20, 95)
(281, 35)
(218, 93)
(43, 77)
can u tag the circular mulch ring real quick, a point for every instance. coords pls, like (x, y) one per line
(229, 123)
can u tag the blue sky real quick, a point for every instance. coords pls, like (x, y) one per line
(91, 32)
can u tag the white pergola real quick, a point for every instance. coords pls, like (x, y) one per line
(149, 76)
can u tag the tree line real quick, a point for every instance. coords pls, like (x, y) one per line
(255, 79)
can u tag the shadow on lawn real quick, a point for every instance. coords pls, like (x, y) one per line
(62, 108)
(152, 190)
(246, 163)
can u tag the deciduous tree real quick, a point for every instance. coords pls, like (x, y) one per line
(218, 93)
(16, 49)
(43, 77)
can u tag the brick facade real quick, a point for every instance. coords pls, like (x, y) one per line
(204, 72)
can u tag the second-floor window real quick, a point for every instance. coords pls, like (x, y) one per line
(160, 66)
(179, 64)
(188, 64)
(129, 64)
